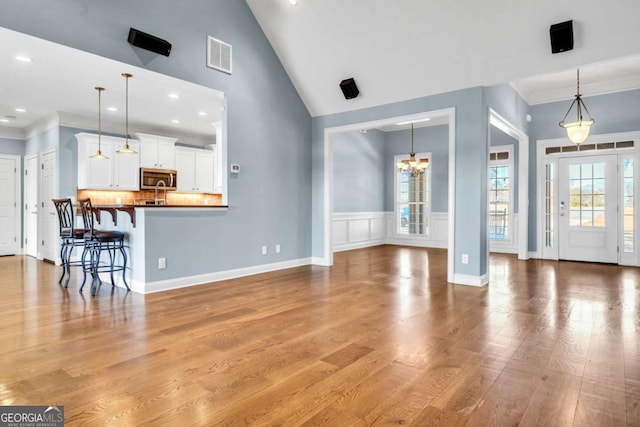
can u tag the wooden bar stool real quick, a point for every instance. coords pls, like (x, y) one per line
(98, 241)
(71, 237)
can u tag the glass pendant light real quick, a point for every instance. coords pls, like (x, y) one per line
(126, 149)
(578, 131)
(99, 155)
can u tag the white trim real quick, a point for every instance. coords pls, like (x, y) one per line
(11, 133)
(534, 255)
(501, 123)
(201, 279)
(328, 177)
(467, 280)
(319, 261)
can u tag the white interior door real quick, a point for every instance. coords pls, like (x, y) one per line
(31, 206)
(588, 204)
(9, 211)
(48, 209)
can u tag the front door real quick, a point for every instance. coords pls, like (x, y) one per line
(588, 205)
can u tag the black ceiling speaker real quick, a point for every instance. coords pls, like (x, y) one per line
(149, 42)
(561, 37)
(349, 88)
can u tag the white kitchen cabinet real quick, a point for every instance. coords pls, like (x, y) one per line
(195, 170)
(117, 172)
(157, 151)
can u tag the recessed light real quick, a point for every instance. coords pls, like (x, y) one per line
(23, 58)
(176, 121)
(174, 95)
(3, 120)
(202, 114)
(293, 2)
(413, 121)
(20, 110)
(113, 109)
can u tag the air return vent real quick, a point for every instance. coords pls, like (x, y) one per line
(219, 55)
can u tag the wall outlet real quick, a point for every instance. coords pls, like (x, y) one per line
(278, 248)
(162, 263)
(264, 250)
(465, 258)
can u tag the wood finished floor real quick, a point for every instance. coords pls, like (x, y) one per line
(378, 339)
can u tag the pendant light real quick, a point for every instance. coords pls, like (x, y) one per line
(126, 149)
(99, 155)
(412, 166)
(578, 131)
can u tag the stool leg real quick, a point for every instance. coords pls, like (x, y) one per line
(112, 260)
(63, 257)
(84, 264)
(124, 265)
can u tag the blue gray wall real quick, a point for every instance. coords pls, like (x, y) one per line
(14, 147)
(358, 171)
(364, 167)
(268, 126)
(617, 112)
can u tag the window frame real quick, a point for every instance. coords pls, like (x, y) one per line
(396, 195)
(511, 214)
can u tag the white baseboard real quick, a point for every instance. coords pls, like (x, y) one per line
(420, 243)
(467, 280)
(320, 261)
(534, 255)
(182, 282)
(358, 245)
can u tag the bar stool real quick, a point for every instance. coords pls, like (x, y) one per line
(70, 236)
(97, 241)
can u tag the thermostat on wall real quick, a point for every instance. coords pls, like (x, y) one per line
(235, 168)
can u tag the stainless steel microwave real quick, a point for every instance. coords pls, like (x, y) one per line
(150, 179)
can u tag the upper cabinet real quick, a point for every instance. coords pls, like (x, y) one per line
(116, 172)
(195, 170)
(157, 151)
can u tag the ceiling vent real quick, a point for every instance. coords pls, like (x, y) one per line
(219, 55)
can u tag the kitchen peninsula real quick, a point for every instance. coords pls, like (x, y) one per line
(170, 232)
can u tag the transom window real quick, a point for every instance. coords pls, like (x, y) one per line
(413, 199)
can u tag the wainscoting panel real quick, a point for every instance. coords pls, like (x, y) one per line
(353, 230)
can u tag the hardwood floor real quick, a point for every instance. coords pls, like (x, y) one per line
(378, 339)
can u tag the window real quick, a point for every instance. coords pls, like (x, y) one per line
(586, 195)
(413, 199)
(628, 212)
(500, 193)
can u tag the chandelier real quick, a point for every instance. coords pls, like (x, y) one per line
(413, 167)
(578, 131)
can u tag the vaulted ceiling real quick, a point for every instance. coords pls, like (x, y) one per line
(403, 49)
